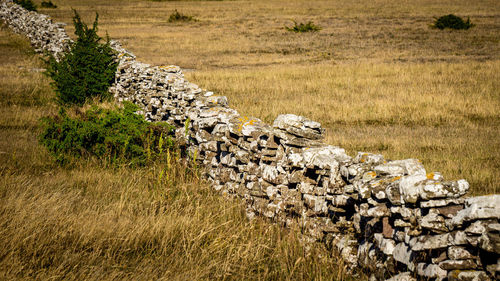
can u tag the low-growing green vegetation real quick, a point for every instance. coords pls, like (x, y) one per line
(176, 17)
(113, 135)
(87, 70)
(27, 4)
(48, 4)
(303, 27)
(453, 22)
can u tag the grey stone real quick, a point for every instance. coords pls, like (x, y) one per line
(405, 276)
(467, 275)
(458, 264)
(434, 222)
(299, 126)
(482, 207)
(403, 254)
(459, 253)
(369, 158)
(431, 271)
(429, 242)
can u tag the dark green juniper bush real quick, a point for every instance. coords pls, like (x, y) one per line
(48, 4)
(116, 136)
(27, 4)
(87, 70)
(453, 22)
(176, 16)
(303, 27)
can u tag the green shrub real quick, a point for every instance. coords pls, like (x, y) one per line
(114, 135)
(453, 22)
(87, 70)
(303, 27)
(48, 4)
(27, 4)
(176, 16)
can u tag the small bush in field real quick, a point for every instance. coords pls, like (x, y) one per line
(48, 4)
(303, 27)
(176, 16)
(27, 4)
(87, 70)
(453, 22)
(114, 135)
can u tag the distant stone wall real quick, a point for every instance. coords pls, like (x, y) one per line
(389, 216)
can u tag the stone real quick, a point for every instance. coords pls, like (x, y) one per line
(481, 207)
(434, 189)
(434, 222)
(369, 158)
(403, 254)
(299, 126)
(385, 245)
(406, 213)
(485, 201)
(459, 253)
(441, 257)
(387, 230)
(401, 168)
(467, 275)
(378, 211)
(316, 203)
(430, 242)
(490, 240)
(477, 227)
(431, 271)
(410, 189)
(405, 276)
(442, 202)
(458, 264)
(449, 211)
(390, 169)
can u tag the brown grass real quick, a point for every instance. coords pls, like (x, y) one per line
(90, 222)
(377, 76)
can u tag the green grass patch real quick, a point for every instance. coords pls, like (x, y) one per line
(303, 27)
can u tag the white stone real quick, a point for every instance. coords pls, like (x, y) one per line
(405, 276)
(431, 270)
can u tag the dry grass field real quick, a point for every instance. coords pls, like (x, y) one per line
(91, 222)
(376, 75)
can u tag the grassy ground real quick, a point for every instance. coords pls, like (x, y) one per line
(90, 222)
(377, 76)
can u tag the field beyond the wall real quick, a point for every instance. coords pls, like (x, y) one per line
(376, 75)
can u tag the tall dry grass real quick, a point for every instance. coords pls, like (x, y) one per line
(91, 222)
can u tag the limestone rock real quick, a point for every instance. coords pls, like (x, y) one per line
(467, 275)
(431, 271)
(299, 126)
(459, 253)
(405, 276)
(429, 242)
(481, 207)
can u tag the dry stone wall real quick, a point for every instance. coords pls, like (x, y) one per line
(389, 216)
